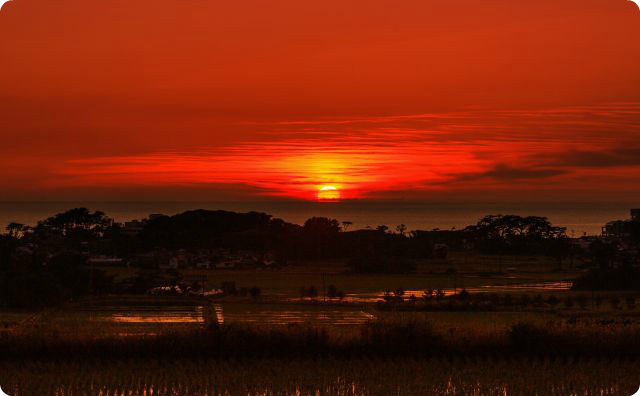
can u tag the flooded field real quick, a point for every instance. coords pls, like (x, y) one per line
(124, 315)
(525, 287)
(155, 315)
(136, 320)
(356, 376)
(135, 315)
(144, 315)
(538, 287)
(272, 315)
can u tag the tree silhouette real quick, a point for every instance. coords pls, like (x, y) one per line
(77, 220)
(382, 228)
(16, 230)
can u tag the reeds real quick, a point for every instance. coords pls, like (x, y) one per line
(451, 376)
(384, 338)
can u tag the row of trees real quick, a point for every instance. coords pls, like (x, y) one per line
(44, 265)
(54, 252)
(80, 230)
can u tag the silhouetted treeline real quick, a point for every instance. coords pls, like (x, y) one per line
(48, 262)
(511, 234)
(92, 232)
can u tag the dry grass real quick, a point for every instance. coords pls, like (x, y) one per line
(455, 376)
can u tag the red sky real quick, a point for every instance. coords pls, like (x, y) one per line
(428, 99)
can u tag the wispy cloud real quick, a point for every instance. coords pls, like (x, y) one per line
(363, 156)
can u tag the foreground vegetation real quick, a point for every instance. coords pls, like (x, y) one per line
(328, 376)
(97, 331)
(397, 338)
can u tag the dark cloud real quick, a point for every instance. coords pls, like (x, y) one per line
(618, 156)
(507, 173)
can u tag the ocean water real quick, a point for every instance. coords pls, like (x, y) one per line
(577, 218)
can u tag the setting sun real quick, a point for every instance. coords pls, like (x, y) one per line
(328, 193)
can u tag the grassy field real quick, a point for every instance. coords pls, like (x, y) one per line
(466, 353)
(472, 377)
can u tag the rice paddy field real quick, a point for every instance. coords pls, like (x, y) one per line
(280, 305)
(148, 315)
(460, 270)
(274, 315)
(280, 302)
(476, 273)
(482, 376)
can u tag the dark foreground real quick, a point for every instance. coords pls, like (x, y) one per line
(381, 358)
(328, 376)
(378, 339)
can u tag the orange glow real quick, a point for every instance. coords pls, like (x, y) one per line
(208, 100)
(471, 151)
(328, 193)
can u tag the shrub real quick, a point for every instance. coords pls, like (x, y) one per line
(538, 301)
(311, 292)
(381, 263)
(255, 292)
(582, 301)
(464, 295)
(614, 301)
(568, 302)
(528, 337)
(631, 302)
(404, 337)
(229, 288)
(622, 278)
(598, 300)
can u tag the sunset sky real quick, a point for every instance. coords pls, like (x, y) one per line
(243, 100)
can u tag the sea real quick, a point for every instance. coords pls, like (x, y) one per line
(579, 219)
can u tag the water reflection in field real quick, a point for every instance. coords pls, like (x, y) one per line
(129, 320)
(144, 315)
(155, 316)
(273, 315)
(558, 286)
(526, 287)
(145, 319)
(149, 314)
